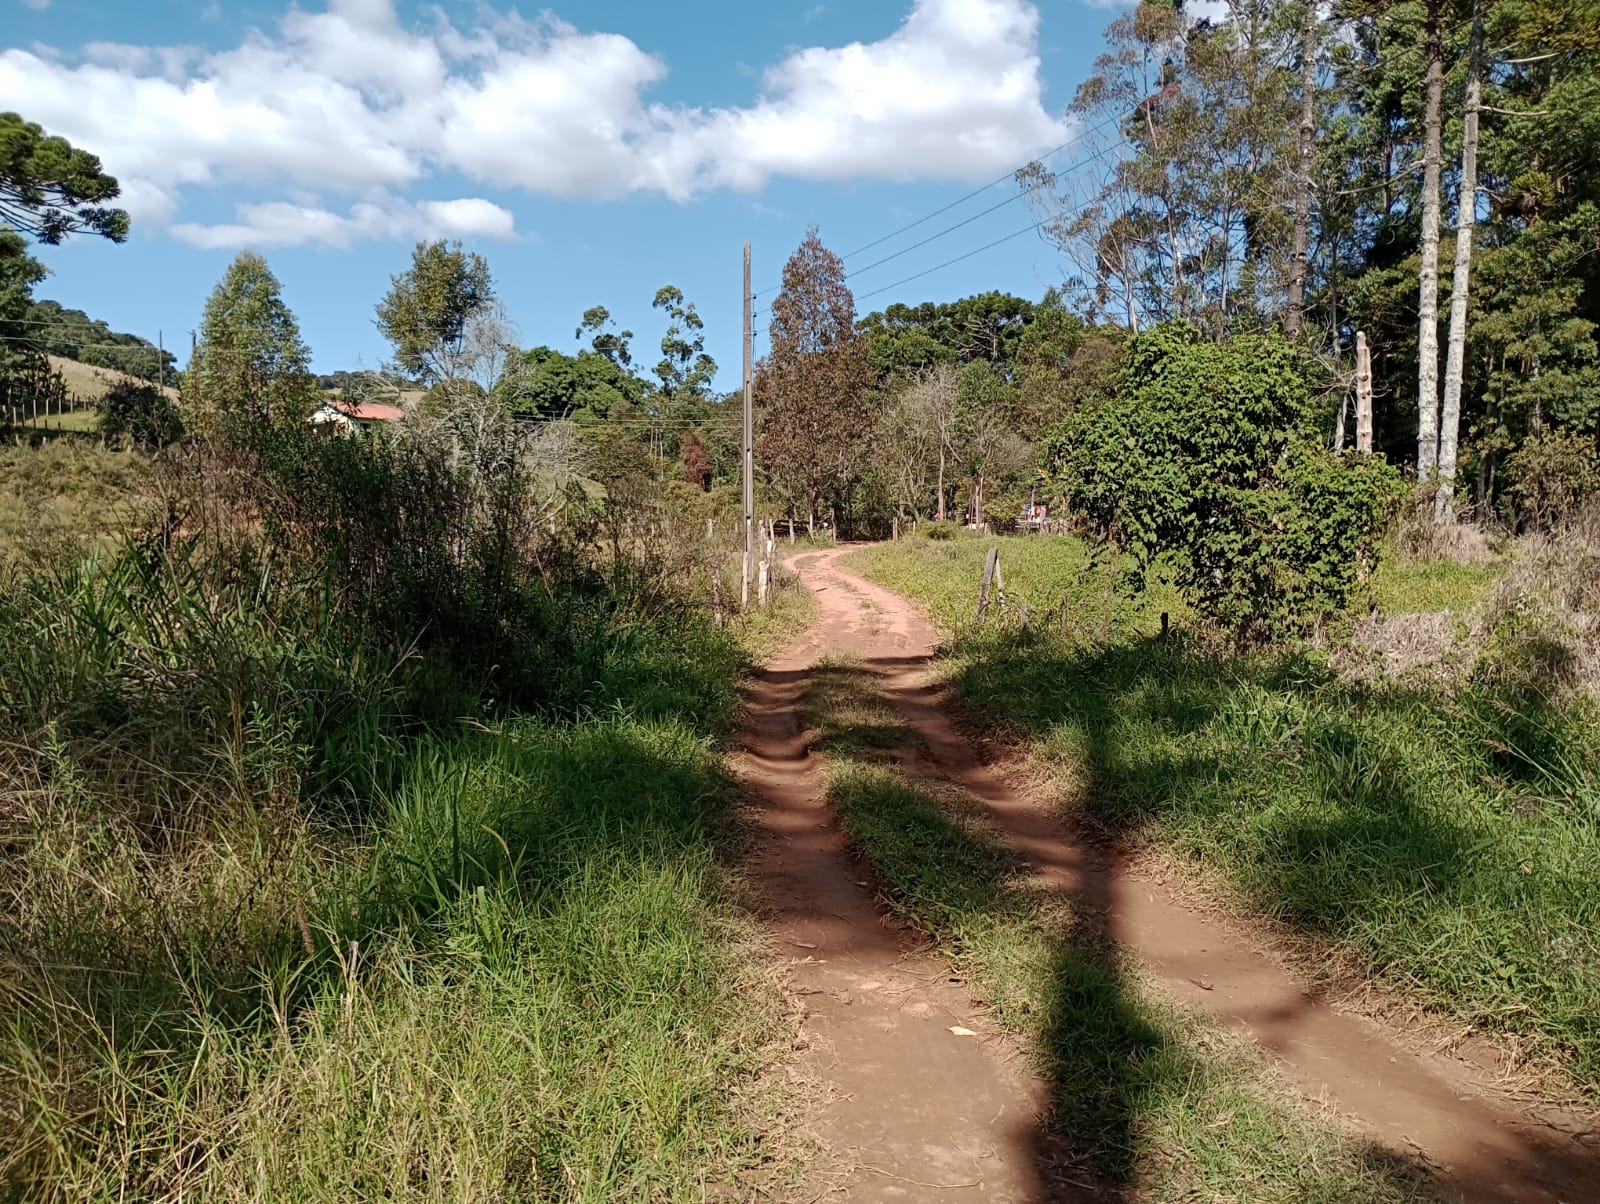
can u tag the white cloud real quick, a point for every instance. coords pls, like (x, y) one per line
(284, 224)
(348, 100)
(37, 5)
(953, 93)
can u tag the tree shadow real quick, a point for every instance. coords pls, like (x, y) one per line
(1120, 1070)
(1401, 822)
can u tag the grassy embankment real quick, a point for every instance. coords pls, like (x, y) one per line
(295, 915)
(1146, 1097)
(1443, 837)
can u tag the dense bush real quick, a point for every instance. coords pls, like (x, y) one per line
(1214, 451)
(142, 414)
(1552, 475)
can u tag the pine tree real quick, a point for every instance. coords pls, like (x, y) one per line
(250, 367)
(811, 389)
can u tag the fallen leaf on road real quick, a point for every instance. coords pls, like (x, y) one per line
(962, 1032)
(803, 944)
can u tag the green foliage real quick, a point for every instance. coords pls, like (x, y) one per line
(1405, 587)
(50, 189)
(1065, 582)
(331, 870)
(606, 341)
(1211, 451)
(588, 387)
(250, 368)
(426, 311)
(73, 335)
(1442, 835)
(684, 369)
(904, 338)
(1552, 475)
(25, 374)
(142, 414)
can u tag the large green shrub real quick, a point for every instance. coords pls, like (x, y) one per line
(141, 413)
(1214, 451)
(1552, 475)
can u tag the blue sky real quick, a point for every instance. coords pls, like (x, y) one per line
(592, 152)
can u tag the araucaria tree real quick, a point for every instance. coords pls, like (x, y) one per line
(251, 368)
(48, 190)
(811, 389)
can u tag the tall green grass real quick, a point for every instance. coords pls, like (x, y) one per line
(1445, 837)
(1062, 581)
(331, 869)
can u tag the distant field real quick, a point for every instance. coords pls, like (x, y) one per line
(78, 420)
(91, 383)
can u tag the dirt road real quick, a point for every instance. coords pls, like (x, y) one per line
(917, 1110)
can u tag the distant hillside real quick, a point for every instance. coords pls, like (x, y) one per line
(89, 382)
(72, 335)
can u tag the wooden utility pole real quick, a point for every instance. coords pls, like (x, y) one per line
(1295, 315)
(161, 361)
(1466, 219)
(1363, 393)
(749, 440)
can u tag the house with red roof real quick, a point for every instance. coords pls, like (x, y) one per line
(344, 418)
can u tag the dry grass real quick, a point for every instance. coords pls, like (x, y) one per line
(91, 383)
(1420, 538)
(1544, 618)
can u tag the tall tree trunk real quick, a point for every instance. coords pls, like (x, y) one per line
(1295, 317)
(1428, 300)
(940, 516)
(1466, 216)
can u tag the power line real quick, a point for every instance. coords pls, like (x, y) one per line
(947, 263)
(1114, 119)
(968, 221)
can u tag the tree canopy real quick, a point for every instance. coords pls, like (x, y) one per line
(49, 189)
(250, 365)
(426, 313)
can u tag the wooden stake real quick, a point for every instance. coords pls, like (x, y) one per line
(991, 565)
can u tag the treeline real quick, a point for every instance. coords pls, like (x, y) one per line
(1424, 172)
(72, 334)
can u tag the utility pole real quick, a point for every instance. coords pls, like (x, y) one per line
(161, 360)
(749, 441)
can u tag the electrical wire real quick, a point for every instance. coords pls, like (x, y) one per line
(1113, 120)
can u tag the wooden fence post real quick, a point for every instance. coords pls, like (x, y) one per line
(991, 564)
(1363, 393)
